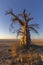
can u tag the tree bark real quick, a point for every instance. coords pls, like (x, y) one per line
(26, 40)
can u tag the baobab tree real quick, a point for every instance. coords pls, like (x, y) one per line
(23, 19)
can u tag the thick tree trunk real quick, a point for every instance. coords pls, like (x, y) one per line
(26, 40)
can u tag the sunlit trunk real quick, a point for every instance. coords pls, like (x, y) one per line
(26, 36)
(23, 37)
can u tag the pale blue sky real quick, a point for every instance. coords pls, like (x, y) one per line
(35, 7)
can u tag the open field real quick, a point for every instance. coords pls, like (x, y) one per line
(8, 49)
(34, 41)
(13, 44)
(37, 41)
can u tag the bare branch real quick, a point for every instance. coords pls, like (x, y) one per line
(14, 19)
(8, 12)
(20, 15)
(24, 11)
(11, 26)
(30, 19)
(34, 25)
(33, 29)
(19, 20)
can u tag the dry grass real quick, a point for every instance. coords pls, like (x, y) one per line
(15, 44)
(37, 41)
